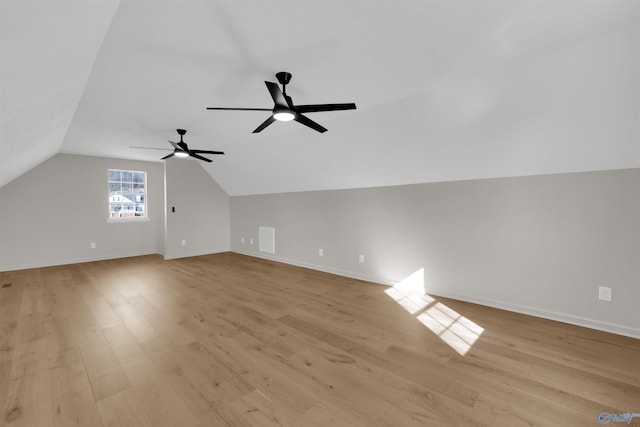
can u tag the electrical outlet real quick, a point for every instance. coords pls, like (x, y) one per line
(320, 252)
(184, 242)
(251, 241)
(604, 293)
(361, 259)
(93, 245)
(242, 240)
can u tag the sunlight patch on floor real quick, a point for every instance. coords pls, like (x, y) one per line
(454, 329)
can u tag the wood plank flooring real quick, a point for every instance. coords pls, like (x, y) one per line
(233, 340)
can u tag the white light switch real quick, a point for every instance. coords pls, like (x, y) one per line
(361, 259)
(184, 243)
(320, 252)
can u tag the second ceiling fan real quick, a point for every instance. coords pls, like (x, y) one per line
(181, 149)
(285, 110)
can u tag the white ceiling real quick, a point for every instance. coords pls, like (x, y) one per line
(446, 90)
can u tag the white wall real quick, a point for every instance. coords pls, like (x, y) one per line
(51, 214)
(538, 245)
(201, 216)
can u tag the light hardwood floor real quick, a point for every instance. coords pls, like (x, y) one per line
(233, 340)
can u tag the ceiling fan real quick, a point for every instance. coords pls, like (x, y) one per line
(181, 149)
(285, 110)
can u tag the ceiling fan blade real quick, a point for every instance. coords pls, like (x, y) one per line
(150, 148)
(276, 94)
(308, 122)
(289, 100)
(175, 145)
(206, 152)
(167, 156)
(264, 124)
(195, 156)
(183, 146)
(239, 109)
(324, 107)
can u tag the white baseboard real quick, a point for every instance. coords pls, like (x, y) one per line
(310, 266)
(503, 305)
(55, 263)
(546, 314)
(190, 254)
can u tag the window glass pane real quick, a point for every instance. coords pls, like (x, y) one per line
(115, 187)
(138, 177)
(114, 175)
(114, 210)
(127, 194)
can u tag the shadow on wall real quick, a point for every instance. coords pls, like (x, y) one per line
(450, 326)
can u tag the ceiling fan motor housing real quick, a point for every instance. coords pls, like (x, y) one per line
(283, 77)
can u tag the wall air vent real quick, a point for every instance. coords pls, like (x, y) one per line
(267, 239)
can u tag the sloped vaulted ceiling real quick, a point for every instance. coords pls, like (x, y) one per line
(446, 90)
(47, 52)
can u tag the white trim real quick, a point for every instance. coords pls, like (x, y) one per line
(75, 261)
(547, 314)
(336, 271)
(128, 219)
(599, 325)
(191, 254)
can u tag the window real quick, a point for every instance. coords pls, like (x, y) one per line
(127, 195)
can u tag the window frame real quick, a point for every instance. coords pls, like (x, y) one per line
(133, 218)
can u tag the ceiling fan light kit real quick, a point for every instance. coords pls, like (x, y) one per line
(284, 115)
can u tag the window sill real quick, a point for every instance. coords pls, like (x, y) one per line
(126, 220)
